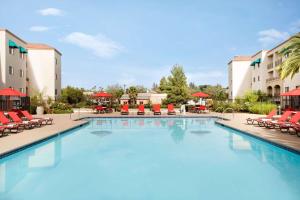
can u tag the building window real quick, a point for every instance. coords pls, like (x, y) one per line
(10, 70)
(22, 55)
(258, 65)
(11, 50)
(55, 91)
(286, 89)
(258, 79)
(21, 90)
(55, 76)
(254, 79)
(21, 73)
(298, 86)
(56, 61)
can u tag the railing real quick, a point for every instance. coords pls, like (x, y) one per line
(268, 80)
(270, 66)
(278, 62)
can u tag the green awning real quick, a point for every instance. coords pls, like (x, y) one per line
(253, 63)
(22, 50)
(257, 60)
(12, 44)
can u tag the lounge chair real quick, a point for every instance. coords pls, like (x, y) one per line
(171, 110)
(29, 117)
(285, 127)
(141, 109)
(156, 109)
(260, 120)
(296, 128)
(281, 120)
(124, 109)
(2, 130)
(7, 124)
(100, 109)
(26, 124)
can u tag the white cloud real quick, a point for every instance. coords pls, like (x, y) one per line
(100, 45)
(39, 28)
(271, 36)
(50, 12)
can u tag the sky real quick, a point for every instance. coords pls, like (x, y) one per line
(137, 42)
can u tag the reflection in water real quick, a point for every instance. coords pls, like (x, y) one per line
(200, 132)
(13, 170)
(101, 133)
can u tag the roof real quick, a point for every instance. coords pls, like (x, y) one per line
(240, 58)
(6, 30)
(282, 43)
(144, 96)
(125, 97)
(41, 46)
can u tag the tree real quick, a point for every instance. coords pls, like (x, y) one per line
(291, 65)
(115, 90)
(163, 85)
(72, 95)
(216, 92)
(176, 84)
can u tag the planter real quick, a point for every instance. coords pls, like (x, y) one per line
(40, 110)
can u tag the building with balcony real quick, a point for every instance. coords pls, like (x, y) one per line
(259, 72)
(29, 68)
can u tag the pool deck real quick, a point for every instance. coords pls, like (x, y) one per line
(64, 122)
(274, 136)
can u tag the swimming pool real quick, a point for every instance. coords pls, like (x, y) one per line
(151, 158)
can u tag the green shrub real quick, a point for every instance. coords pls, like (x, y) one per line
(261, 108)
(60, 108)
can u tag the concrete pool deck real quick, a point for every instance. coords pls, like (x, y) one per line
(64, 122)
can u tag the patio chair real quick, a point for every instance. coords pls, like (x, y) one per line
(141, 109)
(275, 123)
(26, 124)
(2, 131)
(171, 110)
(124, 109)
(156, 109)
(100, 109)
(296, 128)
(12, 127)
(285, 127)
(41, 120)
(262, 119)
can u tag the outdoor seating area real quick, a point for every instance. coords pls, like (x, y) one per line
(288, 122)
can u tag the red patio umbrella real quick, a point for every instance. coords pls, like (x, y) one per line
(200, 94)
(11, 92)
(102, 94)
(294, 92)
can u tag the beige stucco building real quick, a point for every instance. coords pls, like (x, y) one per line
(258, 72)
(29, 68)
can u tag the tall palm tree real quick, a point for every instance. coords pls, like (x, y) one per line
(291, 65)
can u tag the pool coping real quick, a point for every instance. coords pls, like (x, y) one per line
(283, 146)
(28, 145)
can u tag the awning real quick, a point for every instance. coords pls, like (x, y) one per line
(11, 92)
(102, 94)
(257, 61)
(294, 92)
(12, 44)
(253, 63)
(22, 50)
(200, 94)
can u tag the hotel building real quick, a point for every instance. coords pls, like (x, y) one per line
(258, 72)
(29, 68)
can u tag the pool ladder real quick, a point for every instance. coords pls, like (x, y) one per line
(225, 111)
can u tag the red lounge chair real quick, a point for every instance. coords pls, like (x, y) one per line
(41, 121)
(2, 130)
(262, 119)
(296, 128)
(156, 109)
(100, 109)
(281, 120)
(171, 110)
(285, 127)
(8, 124)
(124, 109)
(141, 109)
(26, 124)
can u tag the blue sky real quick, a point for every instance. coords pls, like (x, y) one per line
(137, 42)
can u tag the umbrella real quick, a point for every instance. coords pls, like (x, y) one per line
(294, 92)
(200, 94)
(11, 92)
(102, 94)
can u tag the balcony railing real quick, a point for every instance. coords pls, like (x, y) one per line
(278, 62)
(268, 80)
(270, 66)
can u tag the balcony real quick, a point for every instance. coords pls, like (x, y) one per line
(270, 66)
(269, 80)
(278, 62)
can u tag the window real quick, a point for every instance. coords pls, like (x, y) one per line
(55, 61)
(11, 50)
(21, 73)
(298, 86)
(55, 76)
(22, 55)
(10, 70)
(253, 79)
(286, 89)
(258, 65)
(21, 90)
(258, 79)
(55, 91)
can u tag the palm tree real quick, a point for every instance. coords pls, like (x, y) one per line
(291, 65)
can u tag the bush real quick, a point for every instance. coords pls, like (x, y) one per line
(262, 108)
(60, 108)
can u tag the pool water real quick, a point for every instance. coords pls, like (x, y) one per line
(170, 158)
